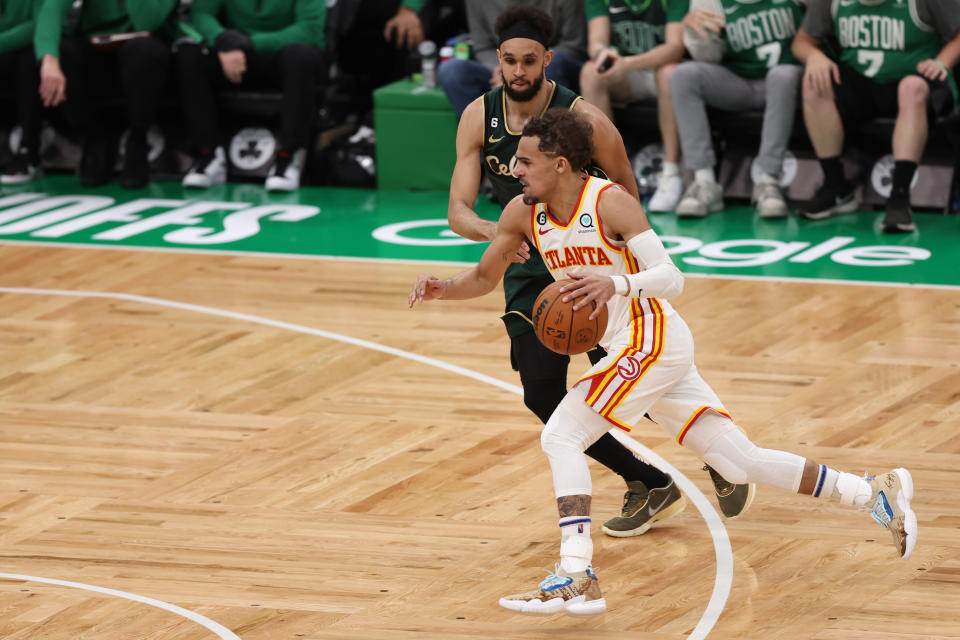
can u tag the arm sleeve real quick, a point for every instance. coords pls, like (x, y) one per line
(307, 28)
(659, 278)
(817, 21)
(149, 15)
(49, 28)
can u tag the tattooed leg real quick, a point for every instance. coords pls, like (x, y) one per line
(573, 506)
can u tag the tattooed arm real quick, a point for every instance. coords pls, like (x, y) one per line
(484, 276)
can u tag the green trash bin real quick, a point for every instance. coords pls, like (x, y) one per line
(416, 133)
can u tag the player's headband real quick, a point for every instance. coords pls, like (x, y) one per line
(524, 29)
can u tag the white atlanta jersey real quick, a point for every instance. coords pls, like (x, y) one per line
(649, 365)
(582, 246)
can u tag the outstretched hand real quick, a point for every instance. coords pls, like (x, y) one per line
(586, 288)
(428, 287)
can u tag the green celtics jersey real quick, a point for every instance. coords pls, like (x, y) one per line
(636, 26)
(758, 33)
(883, 40)
(500, 143)
(522, 283)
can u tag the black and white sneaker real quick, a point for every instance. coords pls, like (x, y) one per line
(286, 170)
(898, 218)
(826, 202)
(209, 169)
(23, 167)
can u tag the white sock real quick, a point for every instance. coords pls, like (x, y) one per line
(705, 175)
(670, 169)
(576, 546)
(826, 482)
(851, 489)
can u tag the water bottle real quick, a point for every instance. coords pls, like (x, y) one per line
(428, 63)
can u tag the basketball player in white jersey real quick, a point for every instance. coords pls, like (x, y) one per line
(592, 230)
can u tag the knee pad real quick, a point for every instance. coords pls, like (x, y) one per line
(564, 440)
(738, 460)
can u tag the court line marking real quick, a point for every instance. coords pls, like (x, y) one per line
(454, 263)
(215, 627)
(718, 533)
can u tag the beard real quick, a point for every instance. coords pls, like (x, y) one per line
(525, 95)
(530, 200)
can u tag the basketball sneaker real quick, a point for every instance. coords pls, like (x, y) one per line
(210, 168)
(642, 507)
(578, 594)
(734, 499)
(828, 201)
(898, 217)
(890, 500)
(285, 173)
(699, 199)
(768, 198)
(667, 195)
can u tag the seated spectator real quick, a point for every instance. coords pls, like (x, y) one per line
(18, 69)
(895, 60)
(757, 71)
(375, 40)
(116, 43)
(647, 42)
(275, 44)
(465, 80)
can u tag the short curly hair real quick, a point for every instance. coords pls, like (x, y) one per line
(537, 18)
(563, 133)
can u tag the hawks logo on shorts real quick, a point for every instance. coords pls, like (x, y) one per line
(611, 385)
(629, 368)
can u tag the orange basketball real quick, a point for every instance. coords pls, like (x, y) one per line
(562, 329)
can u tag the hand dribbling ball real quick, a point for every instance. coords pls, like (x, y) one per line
(560, 328)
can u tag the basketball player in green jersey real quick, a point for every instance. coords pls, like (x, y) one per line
(487, 140)
(757, 71)
(896, 60)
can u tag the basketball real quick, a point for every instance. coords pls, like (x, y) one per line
(562, 329)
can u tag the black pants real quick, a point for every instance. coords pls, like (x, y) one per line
(19, 70)
(294, 70)
(138, 68)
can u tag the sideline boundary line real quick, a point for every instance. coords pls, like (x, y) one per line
(454, 263)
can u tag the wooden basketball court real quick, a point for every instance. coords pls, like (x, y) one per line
(280, 482)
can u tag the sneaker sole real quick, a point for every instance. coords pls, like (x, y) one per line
(899, 228)
(580, 607)
(669, 512)
(534, 607)
(751, 494)
(846, 207)
(909, 516)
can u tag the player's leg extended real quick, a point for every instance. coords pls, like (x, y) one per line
(717, 440)
(572, 587)
(543, 375)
